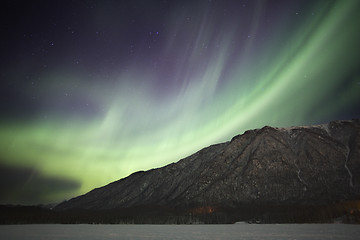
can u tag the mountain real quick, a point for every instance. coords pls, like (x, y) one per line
(297, 166)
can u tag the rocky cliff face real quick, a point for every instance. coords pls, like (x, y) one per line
(307, 165)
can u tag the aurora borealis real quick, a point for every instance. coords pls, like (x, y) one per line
(92, 91)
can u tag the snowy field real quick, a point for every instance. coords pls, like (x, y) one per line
(160, 232)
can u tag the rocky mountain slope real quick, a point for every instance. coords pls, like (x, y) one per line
(298, 165)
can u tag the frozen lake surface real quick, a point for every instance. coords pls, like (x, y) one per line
(208, 232)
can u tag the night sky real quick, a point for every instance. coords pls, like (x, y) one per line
(92, 91)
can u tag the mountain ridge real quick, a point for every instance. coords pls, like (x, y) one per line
(316, 164)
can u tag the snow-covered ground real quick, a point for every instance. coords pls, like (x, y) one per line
(160, 232)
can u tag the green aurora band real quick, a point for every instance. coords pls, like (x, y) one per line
(292, 82)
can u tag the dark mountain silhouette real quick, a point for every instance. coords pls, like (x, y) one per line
(297, 166)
